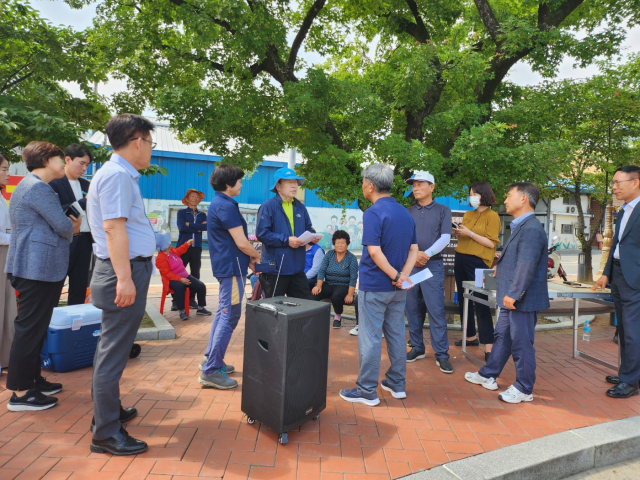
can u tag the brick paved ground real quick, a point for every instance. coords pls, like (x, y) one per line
(195, 432)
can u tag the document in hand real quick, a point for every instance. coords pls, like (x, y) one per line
(307, 236)
(417, 278)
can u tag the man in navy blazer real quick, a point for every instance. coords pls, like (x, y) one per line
(622, 271)
(521, 275)
(71, 188)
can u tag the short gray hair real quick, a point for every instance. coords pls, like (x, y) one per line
(380, 175)
(529, 189)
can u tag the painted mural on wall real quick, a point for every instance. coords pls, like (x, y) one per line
(163, 215)
(327, 220)
(158, 214)
(566, 242)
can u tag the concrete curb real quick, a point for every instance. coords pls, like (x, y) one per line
(163, 329)
(554, 457)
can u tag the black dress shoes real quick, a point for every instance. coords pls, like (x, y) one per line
(470, 343)
(120, 444)
(612, 379)
(615, 337)
(126, 414)
(623, 390)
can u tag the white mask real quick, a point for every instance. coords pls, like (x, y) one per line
(474, 201)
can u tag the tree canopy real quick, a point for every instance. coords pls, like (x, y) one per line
(582, 132)
(35, 57)
(415, 83)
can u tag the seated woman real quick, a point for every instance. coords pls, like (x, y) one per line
(337, 276)
(313, 259)
(171, 267)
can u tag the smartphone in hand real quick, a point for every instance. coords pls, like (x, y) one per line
(72, 211)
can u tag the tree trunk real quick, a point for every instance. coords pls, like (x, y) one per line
(585, 246)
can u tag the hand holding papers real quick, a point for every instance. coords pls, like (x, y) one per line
(417, 278)
(307, 236)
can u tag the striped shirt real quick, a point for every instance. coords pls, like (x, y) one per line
(343, 273)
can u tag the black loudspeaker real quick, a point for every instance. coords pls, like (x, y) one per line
(286, 356)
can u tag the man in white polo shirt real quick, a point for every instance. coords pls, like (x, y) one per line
(124, 247)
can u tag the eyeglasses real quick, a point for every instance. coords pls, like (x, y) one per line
(618, 182)
(153, 144)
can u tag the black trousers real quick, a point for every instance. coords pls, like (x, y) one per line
(312, 282)
(336, 293)
(465, 271)
(193, 257)
(627, 303)
(78, 273)
(196, 287)
(295, 286)
(36, 301)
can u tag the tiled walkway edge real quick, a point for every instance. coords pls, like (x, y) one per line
(549, 458)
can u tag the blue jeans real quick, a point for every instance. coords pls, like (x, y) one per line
(225, 321)
(381, 312)
(428, 296)
(514, 335)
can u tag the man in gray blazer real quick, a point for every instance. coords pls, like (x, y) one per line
(521, 275)
(622, 271)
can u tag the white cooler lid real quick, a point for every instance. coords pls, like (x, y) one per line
(75, 316)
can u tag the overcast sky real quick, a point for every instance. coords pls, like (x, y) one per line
(59, 13)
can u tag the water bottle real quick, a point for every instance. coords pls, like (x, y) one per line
(586, 331)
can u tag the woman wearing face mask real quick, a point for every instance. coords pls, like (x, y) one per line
(477, 240)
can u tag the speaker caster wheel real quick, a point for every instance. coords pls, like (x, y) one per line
(284, 439)
(316, 418)
(251, 421)
(135, 350)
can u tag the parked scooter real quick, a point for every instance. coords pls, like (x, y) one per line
(554, 267)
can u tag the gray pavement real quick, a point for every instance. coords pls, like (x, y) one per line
(555, 457)
(629, 470)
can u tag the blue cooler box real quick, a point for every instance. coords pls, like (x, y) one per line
(71, 338)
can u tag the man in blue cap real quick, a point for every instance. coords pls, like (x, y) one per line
(281, 220)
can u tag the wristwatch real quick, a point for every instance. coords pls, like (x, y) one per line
(471, 236)
(397, 277)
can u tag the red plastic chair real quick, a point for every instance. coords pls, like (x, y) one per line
(166, 291)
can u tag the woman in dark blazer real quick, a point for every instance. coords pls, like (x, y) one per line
(37, 261)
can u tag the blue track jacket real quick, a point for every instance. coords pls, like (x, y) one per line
(273, 230)
(195, 228)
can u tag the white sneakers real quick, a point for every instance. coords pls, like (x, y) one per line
(354, 331)
(510, 395)
(475, 377)
(513, 395)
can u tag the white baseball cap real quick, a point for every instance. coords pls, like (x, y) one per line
(421, 176)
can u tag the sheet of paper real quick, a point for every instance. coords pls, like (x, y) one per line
(307, 236)
(417, 278)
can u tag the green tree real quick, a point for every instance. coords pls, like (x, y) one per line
(589, 127)
(228, 73)
(35, 57)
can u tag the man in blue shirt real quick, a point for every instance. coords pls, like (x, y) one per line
(281, 220)
(124, 247)
(391, 250)
(231, 254)
(191, 223)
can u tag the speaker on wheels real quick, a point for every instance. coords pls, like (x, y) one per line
(286, 356)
